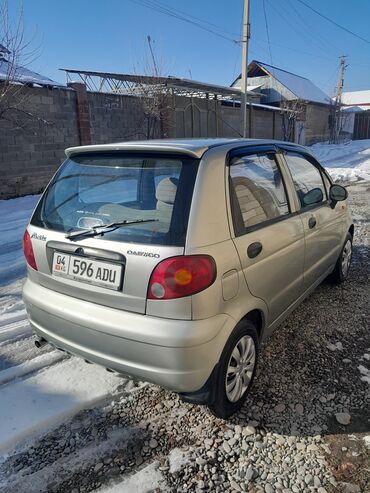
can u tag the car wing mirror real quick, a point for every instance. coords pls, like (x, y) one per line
(337, 193)
(314, 196)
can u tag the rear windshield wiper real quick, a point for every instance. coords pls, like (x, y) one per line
(100, 229)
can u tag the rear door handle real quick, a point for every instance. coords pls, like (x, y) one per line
(312, 222)
(254, 249)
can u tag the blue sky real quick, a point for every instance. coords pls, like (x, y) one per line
(110, 35)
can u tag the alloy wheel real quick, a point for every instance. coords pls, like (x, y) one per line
(240, 368)
(346, 257)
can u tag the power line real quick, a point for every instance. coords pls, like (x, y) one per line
(267, 31)
(334, 72)
(290, 48)
(180, 15)
(273, 79)
(204, 21)
(172, 13)
(334, 22)
(238, 49)
(312, 29)
(291, 20)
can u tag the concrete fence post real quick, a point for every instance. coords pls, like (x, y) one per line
(83, 112)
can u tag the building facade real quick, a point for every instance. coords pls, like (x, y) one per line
(310, 122)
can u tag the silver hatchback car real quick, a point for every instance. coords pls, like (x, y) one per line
(170, 261)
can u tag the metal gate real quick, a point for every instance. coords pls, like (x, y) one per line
(362, 126)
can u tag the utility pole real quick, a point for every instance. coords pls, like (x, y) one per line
(152, 55)
(342, 66)
(338, 99)
(244, 81)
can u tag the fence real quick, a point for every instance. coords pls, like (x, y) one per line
(362, 126)
(31, 153)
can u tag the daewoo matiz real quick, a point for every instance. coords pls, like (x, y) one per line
(170, 261)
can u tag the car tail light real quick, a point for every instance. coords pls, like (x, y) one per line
(181, 276)
(28, 250)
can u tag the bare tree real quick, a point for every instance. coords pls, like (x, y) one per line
(294, 111)
(16, 52)
(338, 121)
(155, 97)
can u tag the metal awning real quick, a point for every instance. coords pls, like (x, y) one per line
(130, 84)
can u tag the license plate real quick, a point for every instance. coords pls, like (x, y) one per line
(87, 270)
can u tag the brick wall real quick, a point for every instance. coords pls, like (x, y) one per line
(116, 118)
(317, 123)
(29, 156)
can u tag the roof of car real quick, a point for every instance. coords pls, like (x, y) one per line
(193, 147)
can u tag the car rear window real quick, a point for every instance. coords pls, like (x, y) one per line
(96, 189)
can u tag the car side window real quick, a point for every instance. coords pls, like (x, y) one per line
(257, 191)
(307, 180)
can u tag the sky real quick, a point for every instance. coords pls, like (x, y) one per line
(111, 35)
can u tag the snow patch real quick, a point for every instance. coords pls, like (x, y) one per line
(146, 480)
(178, 459)
(14, 330)
(29, 366)
(348, 162)
(42, 401)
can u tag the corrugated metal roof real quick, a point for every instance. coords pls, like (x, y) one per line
(300, 86)
(23, 75)
(359, 99)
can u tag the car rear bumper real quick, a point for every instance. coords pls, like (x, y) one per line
(177, 354)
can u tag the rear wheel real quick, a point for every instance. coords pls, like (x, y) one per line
(236, 370)
(343, 264)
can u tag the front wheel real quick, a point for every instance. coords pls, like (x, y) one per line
(236, 370)
(343, 264)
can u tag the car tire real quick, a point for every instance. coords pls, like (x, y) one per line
(236, 370)
(340, 272)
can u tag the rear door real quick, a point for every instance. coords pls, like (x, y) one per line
(96, 189)
(323, 224)
(268, 234)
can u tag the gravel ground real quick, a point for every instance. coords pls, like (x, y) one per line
(302, 428)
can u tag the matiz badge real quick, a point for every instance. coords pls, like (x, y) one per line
(36, 236)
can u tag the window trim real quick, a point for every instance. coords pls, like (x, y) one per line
(258, 150)
(306, 155)
(264, 224)
(328, 177)
(182, 210)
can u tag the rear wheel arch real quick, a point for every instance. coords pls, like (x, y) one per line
(257, 317)
(219, 401)
(351, 230)
(343, 263)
